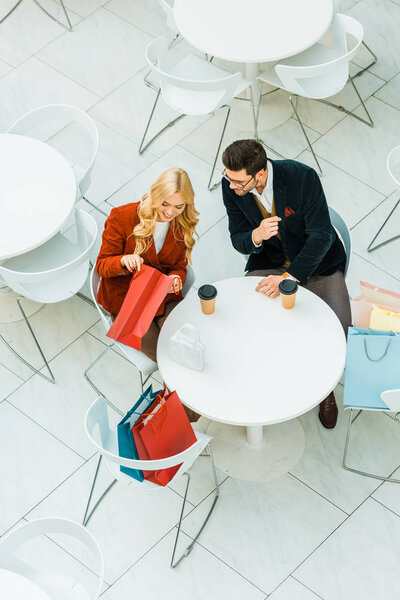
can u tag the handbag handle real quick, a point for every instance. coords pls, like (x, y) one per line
(383, 355)
(189, 333)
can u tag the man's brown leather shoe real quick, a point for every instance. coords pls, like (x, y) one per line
(328, 412)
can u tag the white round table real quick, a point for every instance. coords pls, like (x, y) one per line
(37, 194)
(254, 32)
(14, 586)
(264, 365)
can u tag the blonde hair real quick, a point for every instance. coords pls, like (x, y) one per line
(172, 181)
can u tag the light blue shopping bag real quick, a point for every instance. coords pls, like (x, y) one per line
(372, 366)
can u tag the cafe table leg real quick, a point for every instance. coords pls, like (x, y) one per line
(255, 436)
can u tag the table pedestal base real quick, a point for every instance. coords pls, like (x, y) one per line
(9, 311)
(241, 453)
(275, 108)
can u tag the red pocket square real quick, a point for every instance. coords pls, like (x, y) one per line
(289, 211)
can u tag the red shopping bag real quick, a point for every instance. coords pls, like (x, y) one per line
(164, 430)
(147, 290)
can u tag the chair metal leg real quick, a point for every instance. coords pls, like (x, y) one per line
(143, 147)
(368, 122)
(380, 229)
(51, 379)
(346, 448)
(87, 517)
(94, 206)
(228, 112)
(192, 543)
(85, 298)
(143, 382)
(375, 58)
(94, 387)
(10, 11)
(305, 134)
(69, 27)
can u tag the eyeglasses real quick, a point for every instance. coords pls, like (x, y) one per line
(237, 184)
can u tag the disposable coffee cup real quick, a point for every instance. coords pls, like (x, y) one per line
(207, 294)
(287, 290)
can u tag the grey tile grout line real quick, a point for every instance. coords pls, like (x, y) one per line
(306, 586)
(307, 485)
(370, 212)
(337, 528)
(384, 505)
(376, 266)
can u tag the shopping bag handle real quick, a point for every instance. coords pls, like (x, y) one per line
(384, 353)
(149, 416)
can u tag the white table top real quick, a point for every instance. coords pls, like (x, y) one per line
(263, 364)
(37, 193)
(14, 586)
(255, 30)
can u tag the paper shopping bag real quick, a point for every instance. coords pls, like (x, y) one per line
(372, 360)
(126, 443)
(165, 431)
(147, 290)
(363, 304)
(384, 319)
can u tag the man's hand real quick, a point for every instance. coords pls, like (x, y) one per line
(269, 285)
(266, 229)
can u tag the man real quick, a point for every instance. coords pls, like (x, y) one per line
(278, 215)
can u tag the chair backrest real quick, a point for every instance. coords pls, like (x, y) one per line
(393, 164)
(104, 439)
(323, 78)
(137, 358)
(344, 233)
(189, 281)
(66, 114)
(169, 13)
(18, 272)
(224, 89)
(56, 582)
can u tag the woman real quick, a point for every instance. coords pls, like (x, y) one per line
(159, 232)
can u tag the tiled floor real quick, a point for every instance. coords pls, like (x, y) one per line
(318, 532)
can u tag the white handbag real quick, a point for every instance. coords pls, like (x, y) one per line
(186, 348)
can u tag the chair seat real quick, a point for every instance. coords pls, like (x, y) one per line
(192, 102)
(59, 586)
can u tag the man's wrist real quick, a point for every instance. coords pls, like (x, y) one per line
(287, 275)
(256, 240)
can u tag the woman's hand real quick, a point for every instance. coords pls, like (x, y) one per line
(132, 262)
(176, 285)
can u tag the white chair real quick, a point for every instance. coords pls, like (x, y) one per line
(65, 114)
(69, 27)
(143, 363)
(344, 233)
(336, 9)
(393, 166)
(392, 400)
(192, 87)
(53, 272)
(55, 582)
(320, 71)
(105, 440)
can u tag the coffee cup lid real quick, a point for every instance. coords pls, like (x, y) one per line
(288, 287)
(207, 292)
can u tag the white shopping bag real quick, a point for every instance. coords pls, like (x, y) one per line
(186, 348)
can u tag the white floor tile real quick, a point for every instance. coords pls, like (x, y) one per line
(390, 93)
(380, 34)
(346, 194)
(360, 269)
(101, 54)
(364, 567)
(293, 590)
(55, 325)
(127, 523)
(35, 466)
(34, 84)
(375, 445)
(145, 14)
(4, 68)
(199, 576)
(61, 408)
(32, 28)
(8, 382)
(345, 145)
(385, 256)
(84, 8)
(216, 243)
(264, 531)
(388, 494)
(208, 204)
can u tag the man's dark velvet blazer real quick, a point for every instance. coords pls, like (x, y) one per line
(307, 236)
